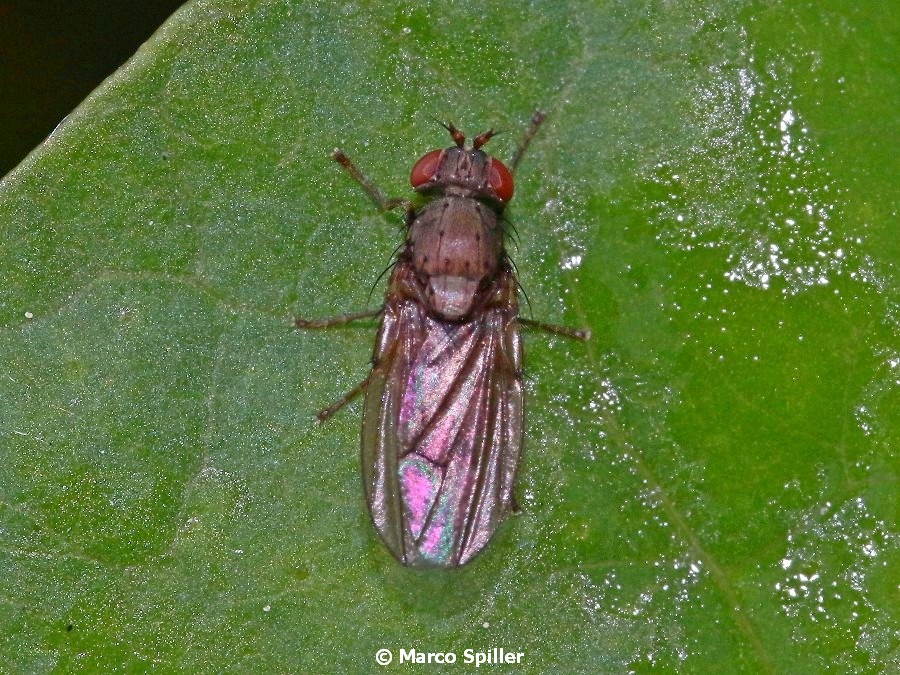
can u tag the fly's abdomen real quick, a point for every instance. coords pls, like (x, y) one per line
(447, 405)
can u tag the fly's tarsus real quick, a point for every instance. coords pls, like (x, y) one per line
(582, 334)
(536, 120)
(383, 203)
(327, 412)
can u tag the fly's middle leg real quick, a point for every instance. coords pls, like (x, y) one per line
(582, 334)
(306, 324)
(383, 203)
(312, 324)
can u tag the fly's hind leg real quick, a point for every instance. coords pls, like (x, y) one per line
(328, 411)
(312, 324)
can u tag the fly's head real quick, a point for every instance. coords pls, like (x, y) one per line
(467, 172)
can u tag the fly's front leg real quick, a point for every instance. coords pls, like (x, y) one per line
(582, 334)
(382, 202)
(536, 120)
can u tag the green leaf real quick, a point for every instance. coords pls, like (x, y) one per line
(709, 485)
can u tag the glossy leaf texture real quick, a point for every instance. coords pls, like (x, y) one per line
(709, 485)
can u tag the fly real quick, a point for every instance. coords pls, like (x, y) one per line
(443, 413)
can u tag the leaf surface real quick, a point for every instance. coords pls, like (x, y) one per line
(709, 485)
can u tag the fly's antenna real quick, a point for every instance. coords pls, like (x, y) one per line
(483, 138)
(458, 137)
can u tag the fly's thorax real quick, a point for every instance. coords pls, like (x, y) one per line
(456, 245)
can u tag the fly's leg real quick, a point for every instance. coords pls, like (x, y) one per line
(325, 413)
(382, 202)
(536, 120)
(302, 324)
(575, 333)
(565, 331)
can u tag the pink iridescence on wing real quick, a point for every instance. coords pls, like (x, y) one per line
(420, 482)
(441, 420)
(435, 372)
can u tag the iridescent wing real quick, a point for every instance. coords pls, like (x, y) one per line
(442, 431)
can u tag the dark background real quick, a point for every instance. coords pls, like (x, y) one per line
(53, 54)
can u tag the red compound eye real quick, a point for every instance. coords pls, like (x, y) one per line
(423, 170)
(500, 179)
